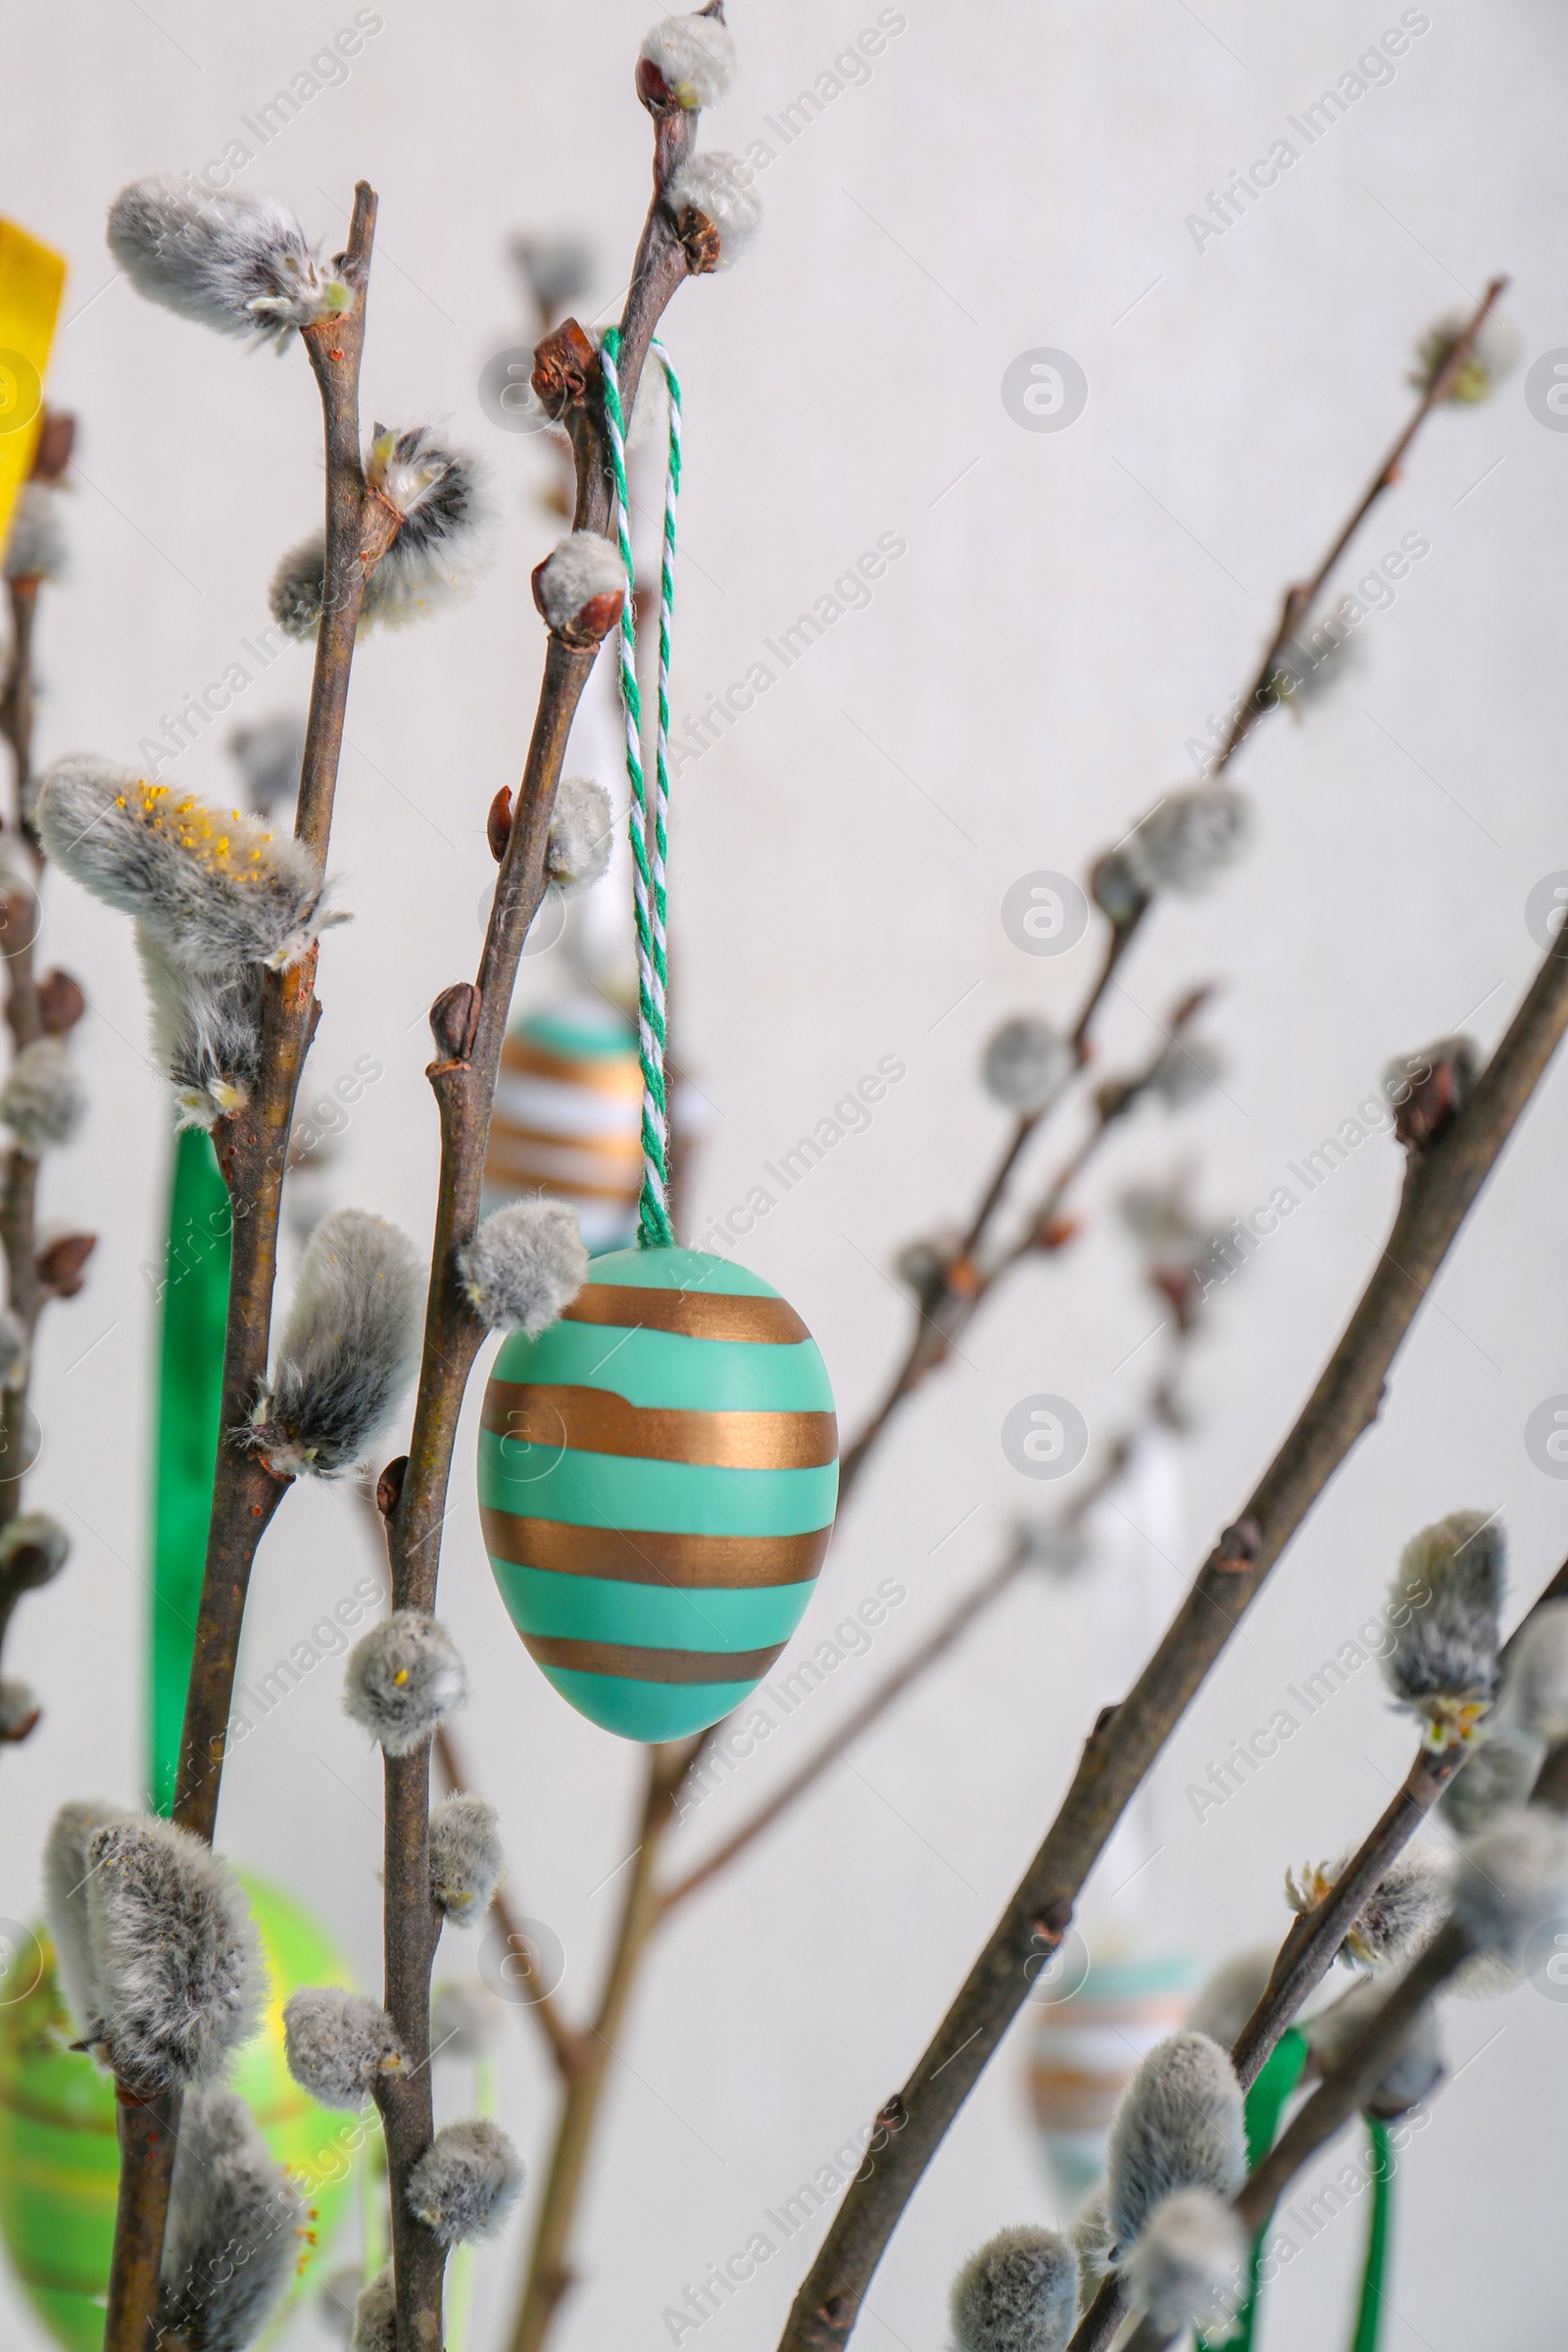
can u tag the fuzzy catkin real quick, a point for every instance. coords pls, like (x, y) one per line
(403, 1680)
(215, 888)
(1399, 1916)
(1025, 1062)
(42, 1099)
(40, 1535)
(375, 2316)
(1188, 839)
(240, 263)
(1449, 1591)
(35, 543)
(1188, 1068)
(466, 2182)
(466, 1858)
(66, 1873)
(1017, 2293)
(582, 835)
(581, 569)
(206, 1032)
(1510, 1878)
(695, 58)
(1537, 1675)
(436, 489)
(524, 1264)
(1094, 2246)
(14, 1351)
(348, 1350)
(174, 1954)
(1188, 2267)
(338, 2043)
(464, 2020)
(714, 186)
(269, 754)
(1412, 2073)
(1502, 1772)
(1179, 2126)
(234, 2225)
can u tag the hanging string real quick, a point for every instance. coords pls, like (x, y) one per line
(649, 848)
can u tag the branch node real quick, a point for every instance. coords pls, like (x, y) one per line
(455, 1020)
(1238, 1548)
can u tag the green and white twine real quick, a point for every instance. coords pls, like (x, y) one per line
(654, 1228)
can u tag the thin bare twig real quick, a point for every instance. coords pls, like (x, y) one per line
(1441, 1185)
(946, 1310)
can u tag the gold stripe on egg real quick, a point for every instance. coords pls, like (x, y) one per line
(612, 1074)
(696, 1314)
(641, 1555)
(632, 1664)
(599, 1421)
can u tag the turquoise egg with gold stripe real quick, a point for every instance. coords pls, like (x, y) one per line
(658, 1475)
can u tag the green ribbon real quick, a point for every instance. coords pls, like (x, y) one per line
(1369, 2313)
(190, 1381)
(1277, 2078)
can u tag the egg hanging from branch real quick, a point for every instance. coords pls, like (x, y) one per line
(658, 1474)
(567, 1110)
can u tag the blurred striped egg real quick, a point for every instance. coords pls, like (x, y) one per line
(658, 1475)
(1085, 2050)
(567, 1118)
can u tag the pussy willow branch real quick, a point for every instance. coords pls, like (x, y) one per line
(470, 1025)
(927, 1652)
(550, 2273)
(1314, 1943)
(1299, 599)
(943, 1316)
(1440, 1186)
(1349, 2083)
(252, 1151)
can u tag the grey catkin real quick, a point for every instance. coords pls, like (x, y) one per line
(1188, 2267)
(582, 834)
(403, 1680)
(716, 187)
(466, 2182)
(235, 2227)
(349, 1348)
(66, 1873)
(270, 753)
(42, 1100)
(1179, 2126)
(1227, 1997)
(338, 2043)
(35, 546)
(213, 886)
(34, 1547)
(237, 262)
(174, 1954)
(694, 57)
(1019, 2292)
(1444, 1610)
(1025, 1063)
(1414, 2070)
(464, 2020)
(1510, 1878)
(1188, 839)
(375, 2316)
(438, 491)
(1538, 1675)
(524, 1264)
(1500, 1772)
(1399, 1916)
(206, 1031)
(466, 1858)
(19, 1709)
(583, 567)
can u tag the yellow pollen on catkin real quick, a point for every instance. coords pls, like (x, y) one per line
(401, 1676)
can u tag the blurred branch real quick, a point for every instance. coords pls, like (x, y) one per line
(945, 1313)
(1441, 1185)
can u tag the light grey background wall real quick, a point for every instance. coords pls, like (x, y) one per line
(1070, 607)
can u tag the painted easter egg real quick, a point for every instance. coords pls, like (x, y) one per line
(1087, 2047)
(658, 1473)
(59, 2155)
(567, 1118)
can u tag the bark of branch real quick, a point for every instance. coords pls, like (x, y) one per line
(253, 1145)
(943, 1316)
(1440, 1186)
(1300, 600)
(550, 2273)
(1314, 1943)
(463, 1083)
(149, 2135)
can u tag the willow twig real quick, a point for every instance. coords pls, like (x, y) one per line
(944, 1314)
(1442, 1183)
(469, 1022)
(1313, 1943)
